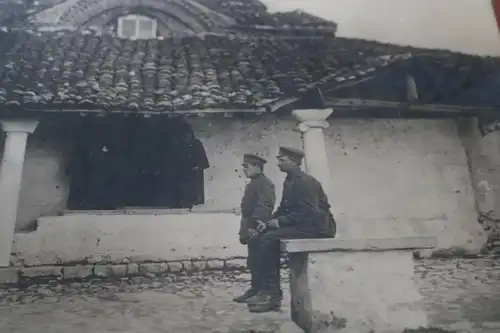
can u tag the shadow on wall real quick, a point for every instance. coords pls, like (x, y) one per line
(44, 187)
(481, 140)
(136, 162)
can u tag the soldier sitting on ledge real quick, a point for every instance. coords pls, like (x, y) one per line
(304, 212)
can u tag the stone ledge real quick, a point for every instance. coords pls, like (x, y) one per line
(451, 253)
(355, 245)
(32, 274)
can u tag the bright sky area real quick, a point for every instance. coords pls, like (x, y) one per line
(460, 25)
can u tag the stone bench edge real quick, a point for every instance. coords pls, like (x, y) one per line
(358, 245)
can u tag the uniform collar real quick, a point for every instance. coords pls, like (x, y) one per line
(294, 172)
(259, 175)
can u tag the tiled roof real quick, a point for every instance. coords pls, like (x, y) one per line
(254, 12)
(16, 12)
(10, 12)
(484, 93)
(73, 70)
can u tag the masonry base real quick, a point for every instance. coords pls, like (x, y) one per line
(105, 269)
(23, 275)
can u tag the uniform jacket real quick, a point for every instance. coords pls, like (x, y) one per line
(257, 203)
(304, 205)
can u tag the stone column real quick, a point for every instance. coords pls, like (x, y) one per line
(11, 170)
(312, 123)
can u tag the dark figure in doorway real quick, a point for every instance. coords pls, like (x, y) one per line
(257, 204)
(191, 162)
(304, 212)
(94, 168)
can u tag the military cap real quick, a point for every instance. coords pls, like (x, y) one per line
(294, 154)
(253, 159)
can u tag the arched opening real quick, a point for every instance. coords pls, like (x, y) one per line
(122, 162)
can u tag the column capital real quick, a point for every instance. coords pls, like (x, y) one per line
(19, 125)
(304, 115)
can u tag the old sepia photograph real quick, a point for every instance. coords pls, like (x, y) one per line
(250, 166)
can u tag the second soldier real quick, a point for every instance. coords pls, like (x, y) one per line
(257, 206)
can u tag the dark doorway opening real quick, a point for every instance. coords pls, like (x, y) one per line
(136, 162)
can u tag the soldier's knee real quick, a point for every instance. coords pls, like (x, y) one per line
(269, 238)
(254, 241)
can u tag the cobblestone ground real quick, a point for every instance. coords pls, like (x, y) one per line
(460, 295)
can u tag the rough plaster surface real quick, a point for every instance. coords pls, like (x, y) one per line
(44, 188)
(369, 290)
(390, 178)
(484, 159)
(130, 238)
(393, 178)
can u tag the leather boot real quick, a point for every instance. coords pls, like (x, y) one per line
(256, 298)
(264, 302)
(247, 295)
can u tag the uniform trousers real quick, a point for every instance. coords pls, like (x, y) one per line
(266, 253)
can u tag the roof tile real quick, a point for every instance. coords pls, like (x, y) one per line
(254, 12)
(74, 70)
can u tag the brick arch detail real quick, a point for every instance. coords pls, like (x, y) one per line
(198, 18)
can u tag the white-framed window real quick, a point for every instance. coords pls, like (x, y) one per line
(136, 27)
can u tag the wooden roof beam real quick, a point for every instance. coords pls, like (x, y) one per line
(357, 104)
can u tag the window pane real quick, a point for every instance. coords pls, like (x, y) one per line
(128, 28)
(146, 29)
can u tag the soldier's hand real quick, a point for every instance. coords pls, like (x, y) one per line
(261, 227)
(273, 224)
(243, 240)
(252, 233)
